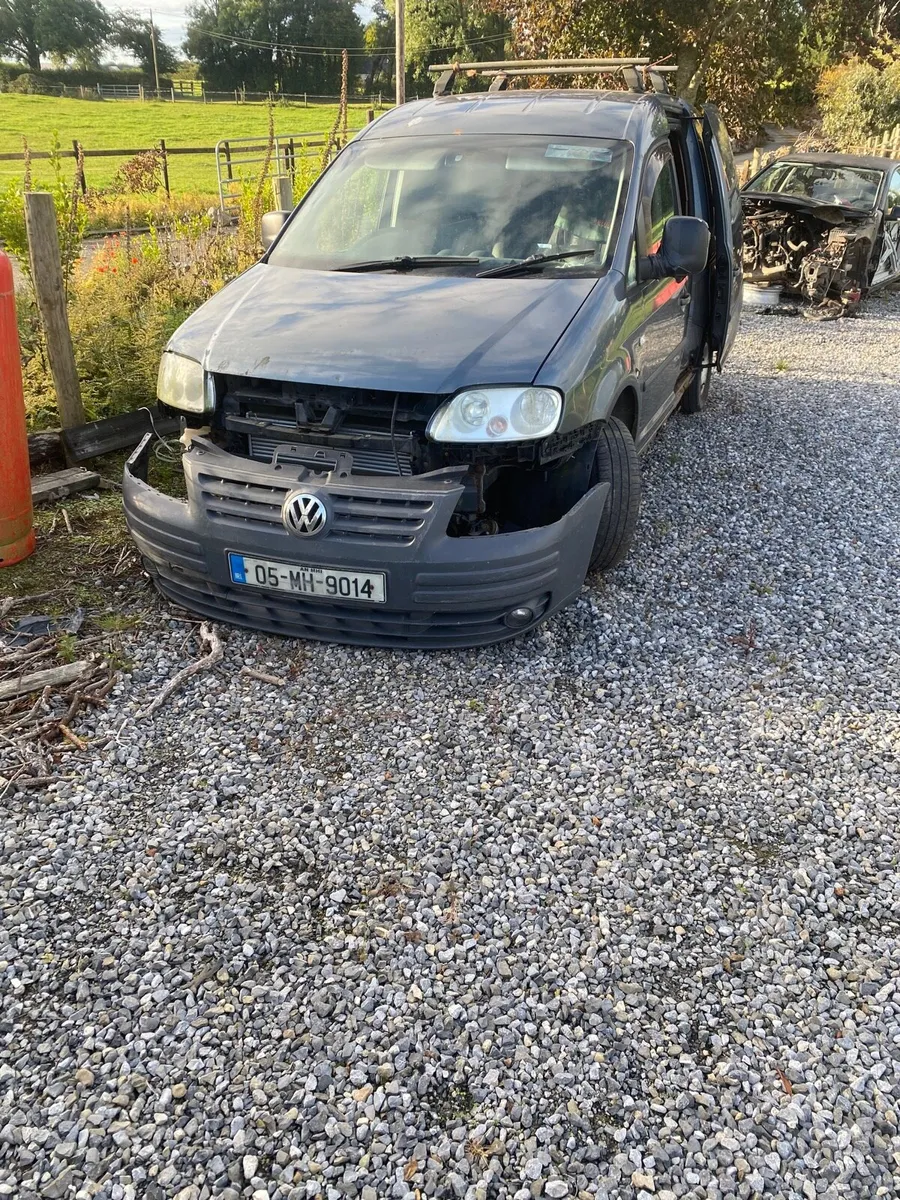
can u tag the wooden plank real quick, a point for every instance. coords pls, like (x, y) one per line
(115, 433)
(50, 293)
(62, 483)
(37, 680)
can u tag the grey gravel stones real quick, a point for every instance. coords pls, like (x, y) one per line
(609, 912)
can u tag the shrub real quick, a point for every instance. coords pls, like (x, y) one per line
(29, 84)
(858, 100)
(126, 299)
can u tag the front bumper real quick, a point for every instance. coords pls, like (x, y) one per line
(440, 591)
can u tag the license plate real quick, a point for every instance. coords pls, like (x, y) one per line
(305, 580)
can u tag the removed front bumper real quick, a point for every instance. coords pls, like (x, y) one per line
(441, 591)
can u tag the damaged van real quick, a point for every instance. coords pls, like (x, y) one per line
(417, 420)
(823, 228)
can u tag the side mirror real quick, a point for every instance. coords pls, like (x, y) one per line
(684, 250)
(271, 225)
(893, 213)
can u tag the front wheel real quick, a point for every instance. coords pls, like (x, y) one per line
(696, 395)
(616, 463)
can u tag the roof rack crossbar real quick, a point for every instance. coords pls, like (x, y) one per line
(634, 71)
(580, 70)
(517, 63)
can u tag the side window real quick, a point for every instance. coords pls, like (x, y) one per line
(662, 201)
(893, 198)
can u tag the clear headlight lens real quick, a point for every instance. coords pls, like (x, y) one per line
(498, 414)
(182, 384)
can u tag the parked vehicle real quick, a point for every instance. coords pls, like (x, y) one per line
(824, 228)
(417, 420)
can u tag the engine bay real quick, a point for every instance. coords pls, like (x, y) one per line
(820, 255)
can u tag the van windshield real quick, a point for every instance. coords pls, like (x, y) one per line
(492, 199)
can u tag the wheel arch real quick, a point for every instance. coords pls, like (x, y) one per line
(626, 409)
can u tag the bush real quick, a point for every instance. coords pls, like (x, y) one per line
(29, 84)
(126, 299)
(859, 100)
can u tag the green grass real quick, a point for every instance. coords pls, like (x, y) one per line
(109, 124)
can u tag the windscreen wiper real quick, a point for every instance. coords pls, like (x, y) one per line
(407, 262)
(535, 260)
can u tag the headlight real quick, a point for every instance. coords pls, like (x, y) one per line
(497, 414)
(182, 384)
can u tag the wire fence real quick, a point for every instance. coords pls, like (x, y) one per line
(136, 92)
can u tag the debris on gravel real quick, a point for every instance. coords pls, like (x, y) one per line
(610, 911)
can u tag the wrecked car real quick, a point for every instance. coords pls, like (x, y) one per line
(824, 228)
(416, 421)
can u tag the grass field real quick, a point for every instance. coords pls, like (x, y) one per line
(106, 124)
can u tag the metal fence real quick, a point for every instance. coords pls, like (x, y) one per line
(177, 95)
(248, 160)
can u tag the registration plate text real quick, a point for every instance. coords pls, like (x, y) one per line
(307, 580)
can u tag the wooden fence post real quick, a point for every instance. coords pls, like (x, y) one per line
(284, 193)
(50, 293)
(164, 162)
(370, 115)
(79, 167)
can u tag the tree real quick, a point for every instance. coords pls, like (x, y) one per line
(263, 44)
(131, 32)
(378, 39)
(740, 53)
(63, 28)
(440, 30)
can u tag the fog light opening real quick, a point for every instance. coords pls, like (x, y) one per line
(518, 618)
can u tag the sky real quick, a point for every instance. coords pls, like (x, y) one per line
(170, 17)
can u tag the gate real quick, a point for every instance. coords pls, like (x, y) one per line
(239, 160)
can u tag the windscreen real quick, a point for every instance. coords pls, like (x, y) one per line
(824, 183)
(497, 199)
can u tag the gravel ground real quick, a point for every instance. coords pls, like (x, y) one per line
(612, 911)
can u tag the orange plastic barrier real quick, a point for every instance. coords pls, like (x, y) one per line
(16, 528)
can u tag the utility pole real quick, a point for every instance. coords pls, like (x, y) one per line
(153, 44)
(400, 50)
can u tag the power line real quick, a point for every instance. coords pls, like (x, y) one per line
(258, 44)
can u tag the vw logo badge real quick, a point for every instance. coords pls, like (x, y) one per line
(304, 514)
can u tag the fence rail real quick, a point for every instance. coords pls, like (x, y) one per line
(136, 92)
(230, 155)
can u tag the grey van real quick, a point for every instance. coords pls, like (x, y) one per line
(417, 420)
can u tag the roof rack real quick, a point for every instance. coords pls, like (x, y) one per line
(639, 74)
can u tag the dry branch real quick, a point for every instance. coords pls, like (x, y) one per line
(21, 685)
(209, 636)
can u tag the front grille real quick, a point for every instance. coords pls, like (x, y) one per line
(382, 430)
(357, 515)
(353, 624)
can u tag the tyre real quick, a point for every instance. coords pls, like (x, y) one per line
(697, 394)
(616, 463)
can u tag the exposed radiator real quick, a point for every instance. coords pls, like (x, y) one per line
(365, 462)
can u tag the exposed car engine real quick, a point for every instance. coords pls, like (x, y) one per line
(820, 256)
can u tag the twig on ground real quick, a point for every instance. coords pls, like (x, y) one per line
(252, 673)
(211, 638)
(65, 514)
(72, 737)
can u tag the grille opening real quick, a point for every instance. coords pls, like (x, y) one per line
(384, 431)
